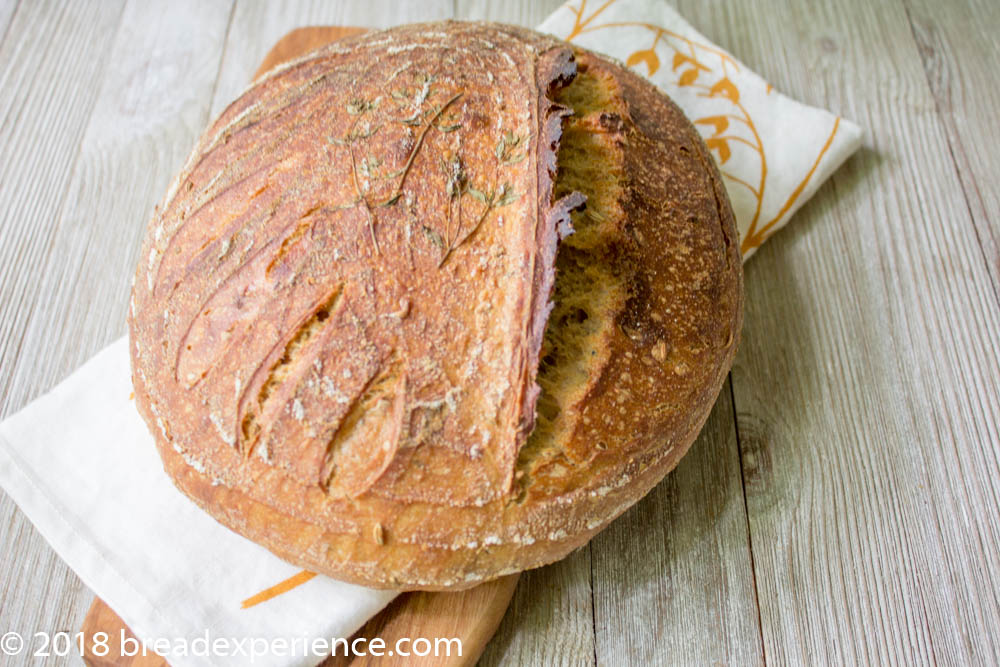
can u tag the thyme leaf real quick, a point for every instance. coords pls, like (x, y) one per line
(433, 236)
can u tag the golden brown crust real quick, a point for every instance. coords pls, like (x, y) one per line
(337, 322)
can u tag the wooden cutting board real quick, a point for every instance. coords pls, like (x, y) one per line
(472, 616)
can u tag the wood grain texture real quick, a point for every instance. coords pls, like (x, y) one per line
(521, 12)
(42, 127)
(961, 59)
(40, 131)
(101, 618)
(866, 388)
(551, 619)
(7, 9)
(471, 616)
(73, 219)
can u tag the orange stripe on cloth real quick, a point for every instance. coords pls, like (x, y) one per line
(278, 589)
(754, 240)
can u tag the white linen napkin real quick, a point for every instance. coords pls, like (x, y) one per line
(80, 463)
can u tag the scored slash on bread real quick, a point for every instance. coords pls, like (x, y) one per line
(435, 304)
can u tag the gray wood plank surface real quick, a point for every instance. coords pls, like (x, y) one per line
(961, 56)
(866, 387)
(519, 12)
(49, 94)
(7, 9)
(148, 86)
(847, 514)
(41, 127)
(550, 621)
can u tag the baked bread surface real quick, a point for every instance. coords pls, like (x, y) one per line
(435, 304)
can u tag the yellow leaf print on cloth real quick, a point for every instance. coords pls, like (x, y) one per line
(773, 152)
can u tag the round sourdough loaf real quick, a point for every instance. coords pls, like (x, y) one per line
(435, 304)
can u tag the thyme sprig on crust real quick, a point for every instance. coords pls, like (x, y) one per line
(491, 200)
(360, 108)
